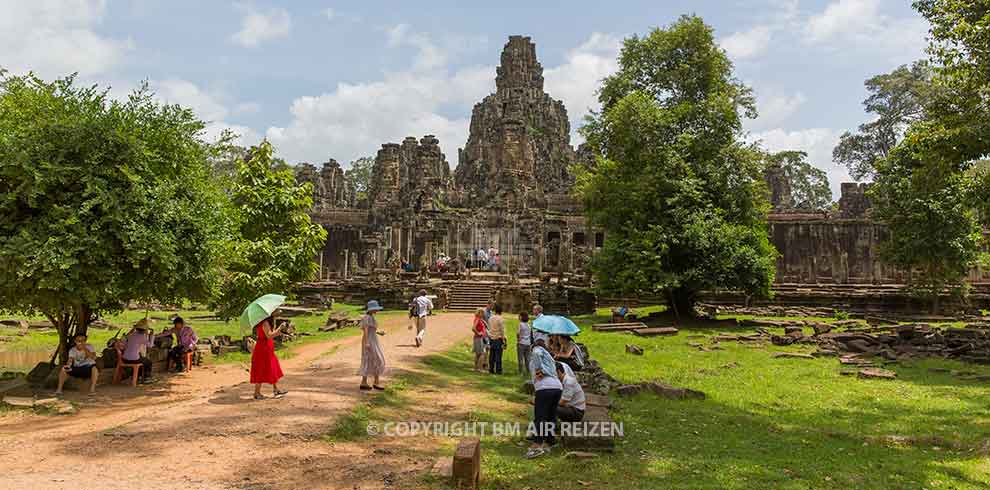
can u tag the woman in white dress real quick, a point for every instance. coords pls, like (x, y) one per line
(372, 355)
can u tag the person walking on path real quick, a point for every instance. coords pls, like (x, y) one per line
(524, 342)
(496, 334)
(423, 308)
(548, 390)
(265, 368)
(480, 331)
(372, 355)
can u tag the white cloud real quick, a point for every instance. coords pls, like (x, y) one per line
(354, 119)
(747, 44)
(817, 142)
(775, 109)
(576, 81)
(258, 27)
(863, 24)
(208, 106)
(57, 37)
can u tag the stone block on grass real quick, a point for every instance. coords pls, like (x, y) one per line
(467, 464)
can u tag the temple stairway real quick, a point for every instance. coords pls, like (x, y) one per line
(469, 296)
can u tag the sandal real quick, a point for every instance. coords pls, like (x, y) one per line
(259, 396)
(279, 393)
(378, 387)
(364, 387)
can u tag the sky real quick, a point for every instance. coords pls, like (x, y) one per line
(336, 79)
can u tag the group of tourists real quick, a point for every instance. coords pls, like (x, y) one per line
(131, 350)
(489, 259)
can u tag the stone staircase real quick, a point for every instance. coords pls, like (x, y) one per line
(469, 296)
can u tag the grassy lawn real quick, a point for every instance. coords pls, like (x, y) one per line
(44, 340)
(766, 423)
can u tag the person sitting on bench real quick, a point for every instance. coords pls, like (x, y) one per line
(81, 364)
(137, 341)
(185, 341)
(572, 399)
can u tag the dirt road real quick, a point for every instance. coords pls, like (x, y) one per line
(202, 430)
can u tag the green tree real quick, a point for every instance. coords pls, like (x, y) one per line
(896, 99)
(103, 202)
(681, 199)
(276, 241)
(930, 190)
(808, 184)
(359, 176)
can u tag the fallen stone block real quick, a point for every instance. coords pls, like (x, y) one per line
(821, 328)
(629, 390)
(443, 468)
(467, 464)
(617, 327)
(634, 350)
(594, 433)
(655, 331)
(781, 340)
(794, 331)
(594, 400)
(673, 392)
(791, 355)
(877, 373)
(580, 455)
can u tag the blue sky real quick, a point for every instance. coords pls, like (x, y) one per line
(326, 79)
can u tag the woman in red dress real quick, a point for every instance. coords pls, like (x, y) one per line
(264, 364)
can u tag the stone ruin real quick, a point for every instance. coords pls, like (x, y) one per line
(511, 190)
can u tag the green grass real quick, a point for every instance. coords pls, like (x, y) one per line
(766, 423)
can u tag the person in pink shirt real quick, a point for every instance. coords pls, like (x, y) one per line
(185, 341)
(136, 344)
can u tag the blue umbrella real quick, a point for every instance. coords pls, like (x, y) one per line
(555, 325)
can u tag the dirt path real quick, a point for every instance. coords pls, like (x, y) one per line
(202, 430)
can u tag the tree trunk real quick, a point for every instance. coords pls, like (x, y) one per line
(69, 322)
(682, 301)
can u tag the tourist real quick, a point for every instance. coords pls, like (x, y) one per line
(81, 364)
(185, 341)
(492, 255)
(537, 334)
(496, 337)
(265, 368)
(548, 390)
(480, 331)
(524, 340)
(482, 258)
(572, 399)
(372, 355)
(424, 306)
(136, 346)
(566, 351)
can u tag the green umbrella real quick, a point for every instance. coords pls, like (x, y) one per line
(260, 309)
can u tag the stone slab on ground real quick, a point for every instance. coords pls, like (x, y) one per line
(617, 327)
(598, 437)
(634, 349)
(593, 400)
(791, 355)
(876, 373)
(655, 331)
(467, 464)
(660, 389)
(443, 468)
(580, 455)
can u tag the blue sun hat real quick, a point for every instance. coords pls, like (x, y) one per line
(374, 306)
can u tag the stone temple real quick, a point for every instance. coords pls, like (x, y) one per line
(510, 190)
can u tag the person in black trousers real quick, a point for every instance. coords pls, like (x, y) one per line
(496, 335)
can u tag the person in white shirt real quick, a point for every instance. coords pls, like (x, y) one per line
(81, 364)
(524, 341)
(423, 308)
(572, 399)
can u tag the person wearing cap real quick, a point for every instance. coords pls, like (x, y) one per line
(423, 308)
(372, 355)
(185, 341)
(136, 345)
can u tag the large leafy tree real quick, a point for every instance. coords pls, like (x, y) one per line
(930, 189)
(277, 240)
(897, 99)
(359, 176)
(102, 202)
(809, 189)
(681, 199)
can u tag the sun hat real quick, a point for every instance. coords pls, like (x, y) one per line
(374, 306)
(143, 324)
